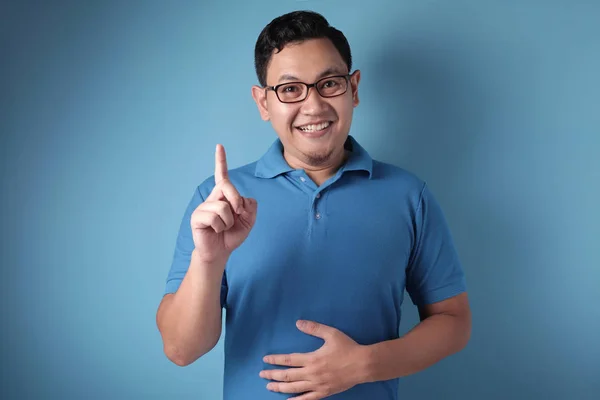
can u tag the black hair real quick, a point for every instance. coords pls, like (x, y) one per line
(296, 26)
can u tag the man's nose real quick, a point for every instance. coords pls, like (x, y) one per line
(313, 103)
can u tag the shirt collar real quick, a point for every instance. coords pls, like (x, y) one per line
(272, 163)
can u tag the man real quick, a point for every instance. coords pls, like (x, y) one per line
(310, 248)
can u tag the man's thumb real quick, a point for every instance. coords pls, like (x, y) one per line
(250, 205)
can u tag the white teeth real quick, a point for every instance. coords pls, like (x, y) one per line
(314, 128)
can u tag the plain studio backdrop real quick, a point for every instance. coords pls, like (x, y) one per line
(110, 112)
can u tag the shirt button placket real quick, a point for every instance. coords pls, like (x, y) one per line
(317, 213)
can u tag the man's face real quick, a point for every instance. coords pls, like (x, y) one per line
(308, 62)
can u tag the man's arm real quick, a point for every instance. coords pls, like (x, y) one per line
(445, 329)
(190, 319)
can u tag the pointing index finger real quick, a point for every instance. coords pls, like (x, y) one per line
(220, 164)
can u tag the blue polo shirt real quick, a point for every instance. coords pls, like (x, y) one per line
(341, 254)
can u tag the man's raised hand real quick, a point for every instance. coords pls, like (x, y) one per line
(223, 221)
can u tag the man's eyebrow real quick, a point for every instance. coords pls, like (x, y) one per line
(287, 77)
(328, 71)
(331, 71)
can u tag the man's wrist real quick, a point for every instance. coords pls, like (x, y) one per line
(210, 267)
(365, 360)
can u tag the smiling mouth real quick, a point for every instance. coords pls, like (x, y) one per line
(311, 128)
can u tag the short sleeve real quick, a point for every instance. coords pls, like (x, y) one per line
(184, 246)
(434, 272)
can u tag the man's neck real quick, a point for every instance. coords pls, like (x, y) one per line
(320, 174)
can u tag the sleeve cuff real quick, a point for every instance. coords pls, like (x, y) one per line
(440, 294)
(172, 286)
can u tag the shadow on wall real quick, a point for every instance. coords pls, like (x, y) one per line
(433, 110)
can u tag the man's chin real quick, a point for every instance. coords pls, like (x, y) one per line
(318, 158)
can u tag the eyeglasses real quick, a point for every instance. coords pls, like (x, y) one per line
(295, 92)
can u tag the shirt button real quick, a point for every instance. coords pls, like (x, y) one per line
(318, 195)
(318, 216)
(302, 179)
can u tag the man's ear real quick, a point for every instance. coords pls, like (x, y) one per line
(354, 80)
(259, 94)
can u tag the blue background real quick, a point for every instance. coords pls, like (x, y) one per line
(110, 112)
